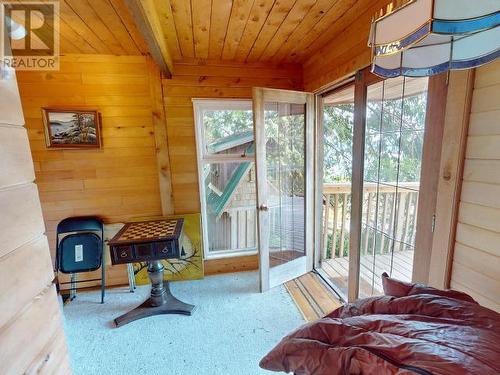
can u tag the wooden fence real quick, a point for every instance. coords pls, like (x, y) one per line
(389, 218)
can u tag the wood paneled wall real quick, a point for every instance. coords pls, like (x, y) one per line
(476, 257)
(456, 122)
(347, 52)
(121, 180)
(31, 334)
(208, 80)
(117, 182)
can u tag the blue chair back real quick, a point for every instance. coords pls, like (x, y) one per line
(81, 249)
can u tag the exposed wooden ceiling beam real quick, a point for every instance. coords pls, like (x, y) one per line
(147, 21)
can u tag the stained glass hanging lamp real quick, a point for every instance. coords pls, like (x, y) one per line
(428, 37)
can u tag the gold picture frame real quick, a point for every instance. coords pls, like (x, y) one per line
(72, 128)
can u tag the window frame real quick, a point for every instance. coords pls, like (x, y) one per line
(204, 158)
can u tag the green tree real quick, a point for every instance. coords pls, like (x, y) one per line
(338, 127)
(394, 135)
(222, 123)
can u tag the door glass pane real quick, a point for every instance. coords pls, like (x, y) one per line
(285, 165)
(230, 197)
(338, 118)
(395, 122)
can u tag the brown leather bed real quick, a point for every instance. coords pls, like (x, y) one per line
(413, 329)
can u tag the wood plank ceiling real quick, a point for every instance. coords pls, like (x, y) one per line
(276, 31)
(99, 27)
(253, 30)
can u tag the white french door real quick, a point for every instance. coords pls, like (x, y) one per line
(284, 138)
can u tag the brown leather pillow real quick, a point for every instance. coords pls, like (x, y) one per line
(397, 288)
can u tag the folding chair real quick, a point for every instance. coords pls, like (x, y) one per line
(80, 244)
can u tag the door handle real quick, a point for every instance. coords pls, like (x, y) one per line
(263, 207)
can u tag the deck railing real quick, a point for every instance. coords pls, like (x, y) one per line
(390, 224)
(237, 229)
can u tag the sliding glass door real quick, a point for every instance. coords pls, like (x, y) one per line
(394, 135)
(336, 134)
(371, 137)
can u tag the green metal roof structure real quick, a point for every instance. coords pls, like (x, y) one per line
(217, 203)
(230, 141)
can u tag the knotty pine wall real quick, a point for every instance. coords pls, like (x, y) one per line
(118, 182)
(345, 54)
(32, 339)
(476, 258)
(208, 80)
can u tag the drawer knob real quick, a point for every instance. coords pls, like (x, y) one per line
(123, 254)
(165, 250)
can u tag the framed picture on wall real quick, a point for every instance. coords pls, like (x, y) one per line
(65, 128)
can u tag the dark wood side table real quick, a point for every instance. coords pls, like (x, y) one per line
(151, 241)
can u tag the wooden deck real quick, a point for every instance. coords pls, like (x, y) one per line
(313, 298)
(371, 282)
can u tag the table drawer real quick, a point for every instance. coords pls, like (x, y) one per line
(123, 254)
(167, 249)
(144, 251)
